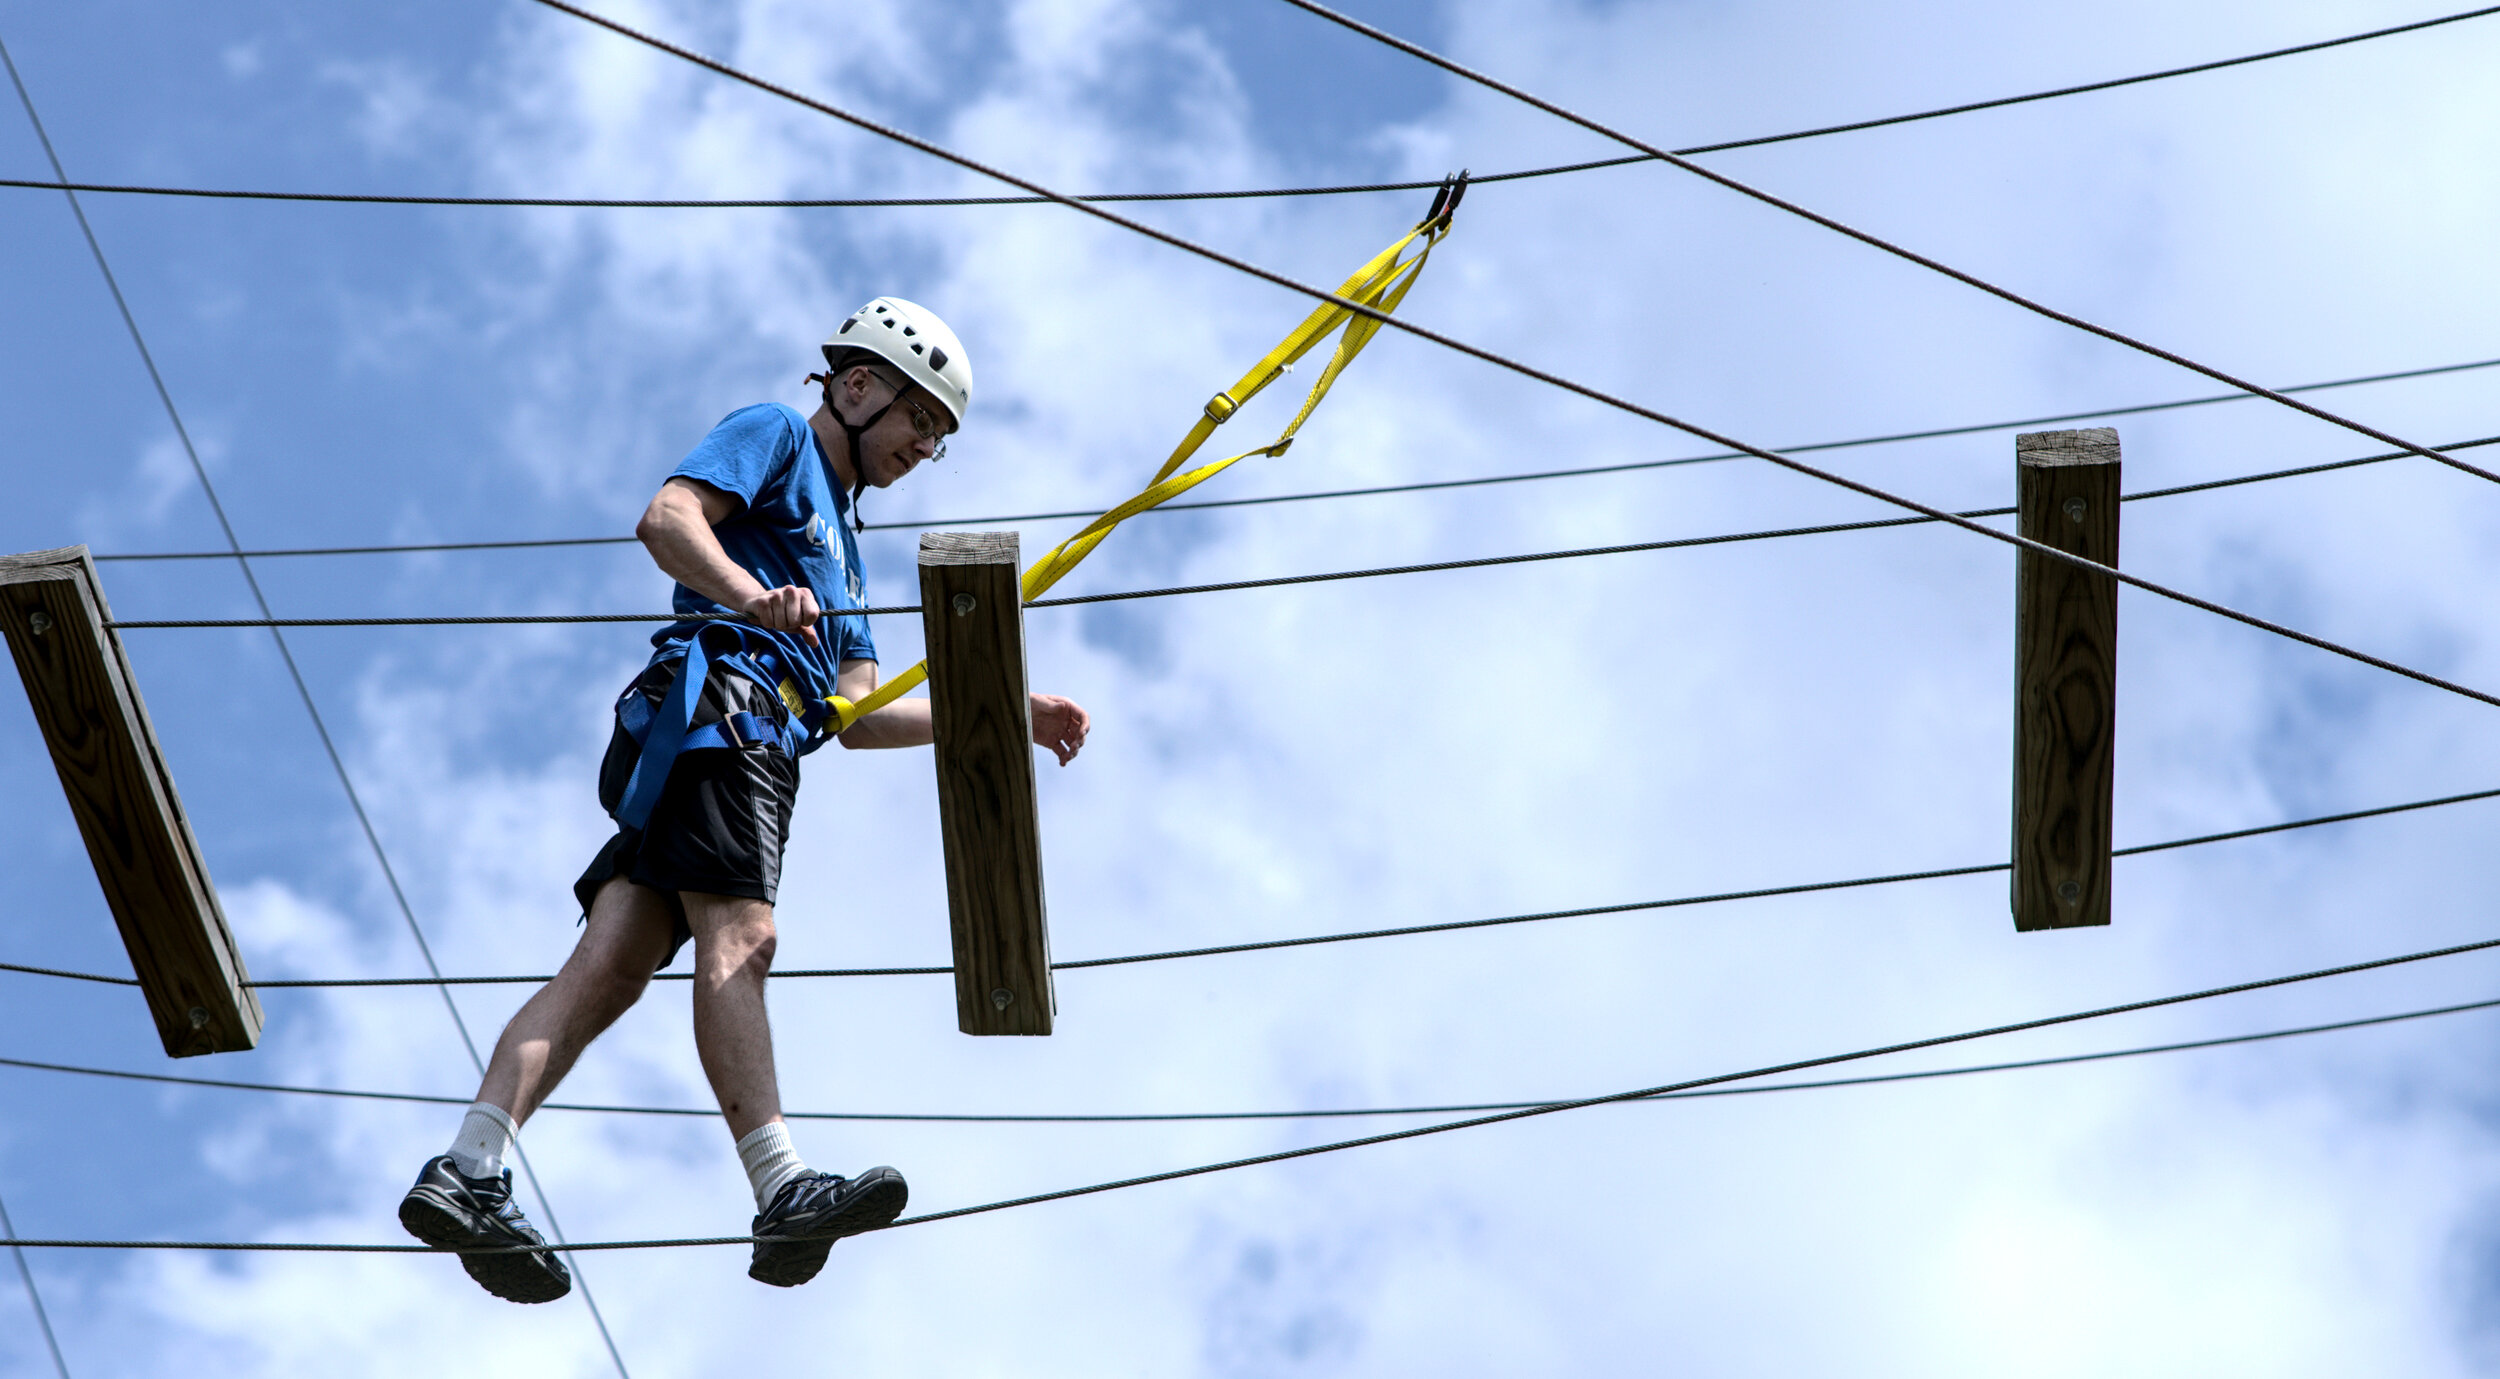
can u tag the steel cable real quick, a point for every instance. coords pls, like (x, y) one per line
(1525, 370)
(1429, 485)
(1804, 888)
(1335, 1146)
(1329, 1113)
(1877, 241)
(814, 203)
(72, 976)
(1966, 519)
(1589, 391)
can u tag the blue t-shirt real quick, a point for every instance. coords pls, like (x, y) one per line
(793, 530)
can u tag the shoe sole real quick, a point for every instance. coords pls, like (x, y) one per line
(788, 1264)
(512, 1277)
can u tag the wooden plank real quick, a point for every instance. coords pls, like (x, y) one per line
(973, 612)
(87, 702)
(2065, 678)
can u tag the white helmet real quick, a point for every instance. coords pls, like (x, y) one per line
(912, 338)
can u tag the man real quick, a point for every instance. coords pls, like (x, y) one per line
(700, 776)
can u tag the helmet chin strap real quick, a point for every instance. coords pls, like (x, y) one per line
(859, 462)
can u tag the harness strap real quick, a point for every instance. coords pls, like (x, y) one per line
(669, 731)
(1380, 284)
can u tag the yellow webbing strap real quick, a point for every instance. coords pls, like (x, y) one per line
(1381, 284)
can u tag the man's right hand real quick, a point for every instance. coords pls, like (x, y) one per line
(790, 608)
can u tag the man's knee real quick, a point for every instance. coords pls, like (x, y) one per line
(750, 943)
(759, 959)
(617, 981)
(625, 937)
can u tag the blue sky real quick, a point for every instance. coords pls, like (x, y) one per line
(1300, 761)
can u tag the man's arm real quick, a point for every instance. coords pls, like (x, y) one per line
(1058, 723)
(677, 530)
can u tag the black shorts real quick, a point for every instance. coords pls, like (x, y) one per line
(723, 817)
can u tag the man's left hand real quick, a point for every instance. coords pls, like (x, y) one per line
(1060, 725)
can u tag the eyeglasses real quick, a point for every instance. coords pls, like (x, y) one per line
(922, 424)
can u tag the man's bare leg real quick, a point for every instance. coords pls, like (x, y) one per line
(733, 952)
(799, 1214)
(463, 1198)
(623, 939)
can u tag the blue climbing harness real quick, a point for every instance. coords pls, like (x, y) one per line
(668, 731)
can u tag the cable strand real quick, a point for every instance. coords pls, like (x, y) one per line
(2259, 830)
(1429, 485)
(810, 203)
(1274, 581)
(1328, 1113)
(1967, 520)
(1459, 69)
(1366, 1141)
(1593, 393)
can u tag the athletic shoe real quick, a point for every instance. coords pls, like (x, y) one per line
(794, 1232)
(450, 1210)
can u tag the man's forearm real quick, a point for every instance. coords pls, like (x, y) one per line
(903, 723)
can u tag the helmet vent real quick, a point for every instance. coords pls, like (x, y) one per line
(937, 359)
(889, 323)
(909, 330)
(846, 326)
(915, 349)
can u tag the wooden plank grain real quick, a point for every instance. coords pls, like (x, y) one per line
(104, 749)
(2065, 679)
(973, 613)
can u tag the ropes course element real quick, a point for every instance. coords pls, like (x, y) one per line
(1431, 485)
(303, 690)
(1589, 391)
(1455, 68)
(1805, 888)
(1378, 287)
(1335, 1146)
(1330, 1113)
(814, 203)
(1967, 520)
(1361, 307)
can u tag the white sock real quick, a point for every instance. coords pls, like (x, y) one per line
(485, 1133)
(770, 1160)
